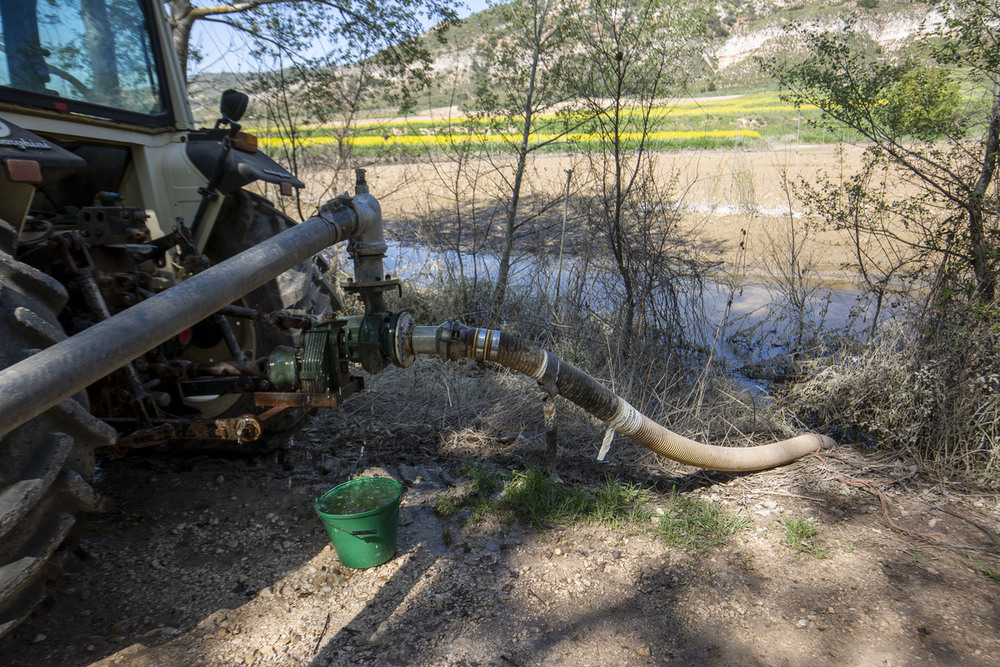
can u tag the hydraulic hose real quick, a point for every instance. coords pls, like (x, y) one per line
(455, 341)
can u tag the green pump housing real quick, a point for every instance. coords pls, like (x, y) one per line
(319, 364)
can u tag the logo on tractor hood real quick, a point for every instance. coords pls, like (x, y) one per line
(21, 143)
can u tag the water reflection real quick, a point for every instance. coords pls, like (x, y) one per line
(759, 323)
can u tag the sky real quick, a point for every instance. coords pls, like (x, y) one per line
(222, 48)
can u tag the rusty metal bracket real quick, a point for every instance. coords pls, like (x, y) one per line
(304, 400)
(386, 285)
(245, 428)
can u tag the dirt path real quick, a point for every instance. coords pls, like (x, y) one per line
(221, 562)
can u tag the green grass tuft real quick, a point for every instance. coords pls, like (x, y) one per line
(447, 505)
(537, 500)
(693, 524)
(800, 534)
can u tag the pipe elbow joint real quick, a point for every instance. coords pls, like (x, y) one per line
(368, 238)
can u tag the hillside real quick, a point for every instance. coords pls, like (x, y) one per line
(733, 34)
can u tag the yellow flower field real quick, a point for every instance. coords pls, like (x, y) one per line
(427, 141)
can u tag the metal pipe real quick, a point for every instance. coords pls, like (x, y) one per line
(35, 384)
(454, 341)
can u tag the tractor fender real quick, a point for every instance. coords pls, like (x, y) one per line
(241, 168)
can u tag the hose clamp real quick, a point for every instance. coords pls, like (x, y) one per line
(539, 375)
(487, 345)
(627, 419)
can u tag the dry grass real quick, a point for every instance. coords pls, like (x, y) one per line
(903, 393)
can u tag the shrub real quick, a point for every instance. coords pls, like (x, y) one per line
(932, 392)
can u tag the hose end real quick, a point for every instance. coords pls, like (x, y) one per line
(824, 442)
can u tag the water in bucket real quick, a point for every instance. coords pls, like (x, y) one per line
(356, 498)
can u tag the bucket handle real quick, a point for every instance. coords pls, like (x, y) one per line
(355, 533)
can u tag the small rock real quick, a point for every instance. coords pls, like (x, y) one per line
(38, 639)
(91, 647)
(643, 651)
(803, 623)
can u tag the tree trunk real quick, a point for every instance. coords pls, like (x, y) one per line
(182, 18)
(510, 226)
(503, 272)
(982, 266)
(619, 240)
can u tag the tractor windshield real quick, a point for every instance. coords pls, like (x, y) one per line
(94, 57)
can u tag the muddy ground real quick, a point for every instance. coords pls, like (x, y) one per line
(221, 561)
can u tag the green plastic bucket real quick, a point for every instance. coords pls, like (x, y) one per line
(361, 517)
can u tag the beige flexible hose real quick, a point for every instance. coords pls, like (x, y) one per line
(455, 341)
(665, 442)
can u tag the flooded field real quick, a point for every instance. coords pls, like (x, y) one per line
(720, 194)
(446, 220)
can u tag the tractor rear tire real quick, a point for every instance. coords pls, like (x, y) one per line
(47, 464)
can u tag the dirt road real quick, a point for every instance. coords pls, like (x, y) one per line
(221, 562)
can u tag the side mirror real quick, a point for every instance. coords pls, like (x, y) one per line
(233, 105)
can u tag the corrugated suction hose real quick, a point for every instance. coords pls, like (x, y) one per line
(455, 341)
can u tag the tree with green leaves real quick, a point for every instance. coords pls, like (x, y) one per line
(295, 27)
(917, 122)
(322, 61)
(631, 46)
(922, 214)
